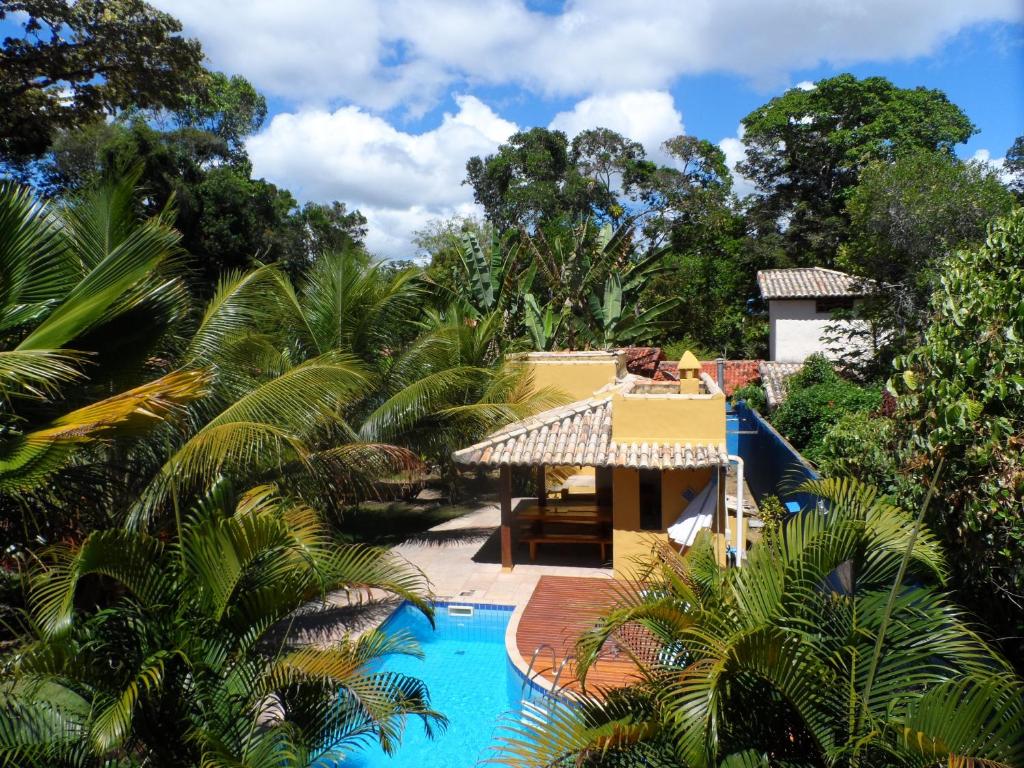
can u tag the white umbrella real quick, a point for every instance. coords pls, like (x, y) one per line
(698, 514)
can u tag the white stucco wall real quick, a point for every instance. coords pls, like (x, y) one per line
(796, 330)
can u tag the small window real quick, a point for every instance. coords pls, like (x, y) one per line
(650, 500)
(832, 303)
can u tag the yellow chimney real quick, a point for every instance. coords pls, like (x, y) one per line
(689, 374)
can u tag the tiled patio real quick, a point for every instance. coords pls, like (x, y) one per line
(462, 558)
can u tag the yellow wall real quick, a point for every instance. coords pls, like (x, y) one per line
(628, 541)
(630, 548)
(577, 379)
(626, 499)
(699, 419)
(689, 386)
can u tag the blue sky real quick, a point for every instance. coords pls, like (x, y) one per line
(379, 103)
(981, 69)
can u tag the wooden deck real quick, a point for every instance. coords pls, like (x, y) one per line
(560, 609)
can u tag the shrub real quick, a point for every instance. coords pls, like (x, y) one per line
(773, 515)
(817, 369)
(961, 397)
(753, 395)
(816, 399)
(861, 445)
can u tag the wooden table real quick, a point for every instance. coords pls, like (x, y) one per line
(582, 524)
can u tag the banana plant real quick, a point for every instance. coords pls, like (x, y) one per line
(576, 263)
(492, 277)
(613, 322)
(542, 325)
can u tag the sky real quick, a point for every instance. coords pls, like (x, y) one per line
(379, 103)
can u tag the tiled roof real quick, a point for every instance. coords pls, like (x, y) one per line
(773, 379)
(809, 283)
(580, 434)
(737, 372)
(643, 361)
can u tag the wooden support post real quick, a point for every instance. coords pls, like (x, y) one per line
(505, 496)
(542, 486)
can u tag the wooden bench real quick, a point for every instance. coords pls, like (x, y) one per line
(602, 540)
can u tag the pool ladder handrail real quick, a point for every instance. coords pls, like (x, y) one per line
(532, 674)
(554, 683)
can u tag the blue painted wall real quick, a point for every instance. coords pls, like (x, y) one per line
(771, 465)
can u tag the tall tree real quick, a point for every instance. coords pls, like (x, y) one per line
(532, 180)
(77, 61)
(961, 399)
(806, 149)
(906, 217)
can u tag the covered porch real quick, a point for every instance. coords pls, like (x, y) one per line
(612, 497)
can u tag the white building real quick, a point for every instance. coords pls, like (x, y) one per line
(801, 303)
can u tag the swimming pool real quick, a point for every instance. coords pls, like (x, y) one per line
(471, 682)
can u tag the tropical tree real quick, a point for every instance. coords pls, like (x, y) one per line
(906, 218)
(451, 386)
(183, 652)
(66, 64)
(588, 281)
(837, 646)
(90, 297)
(806, 148)
(960, 398)
(287, 377)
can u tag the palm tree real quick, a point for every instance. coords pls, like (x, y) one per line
(771, 664)
(451, 386)
(182, 652)
(289, 367)
(89, 298)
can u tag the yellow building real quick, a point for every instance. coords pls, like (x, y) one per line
(617, 467)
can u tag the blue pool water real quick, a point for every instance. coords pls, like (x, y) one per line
(471, 682)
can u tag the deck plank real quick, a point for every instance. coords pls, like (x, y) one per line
(560, 609)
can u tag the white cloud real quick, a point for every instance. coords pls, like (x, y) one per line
(805, 85)
(735, 153)
(997, 164)
(649, 117)
(386, 53)
(398, 180)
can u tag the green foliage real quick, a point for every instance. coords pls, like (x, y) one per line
(753, 395)
(961, 397)
(587, 288)
(1014, 166)
(905, 217)
(180, 666)
(530, 181)
(773, 515)
(198, 169)
(67, 64)
(815, 398)
(89, 293)
(860, 444)
(765, 664)
(807, 148)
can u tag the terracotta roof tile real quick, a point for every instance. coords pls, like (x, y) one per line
(579, 434)
(810, 283)
(643, 361)
(773, 379)
(737, 372)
